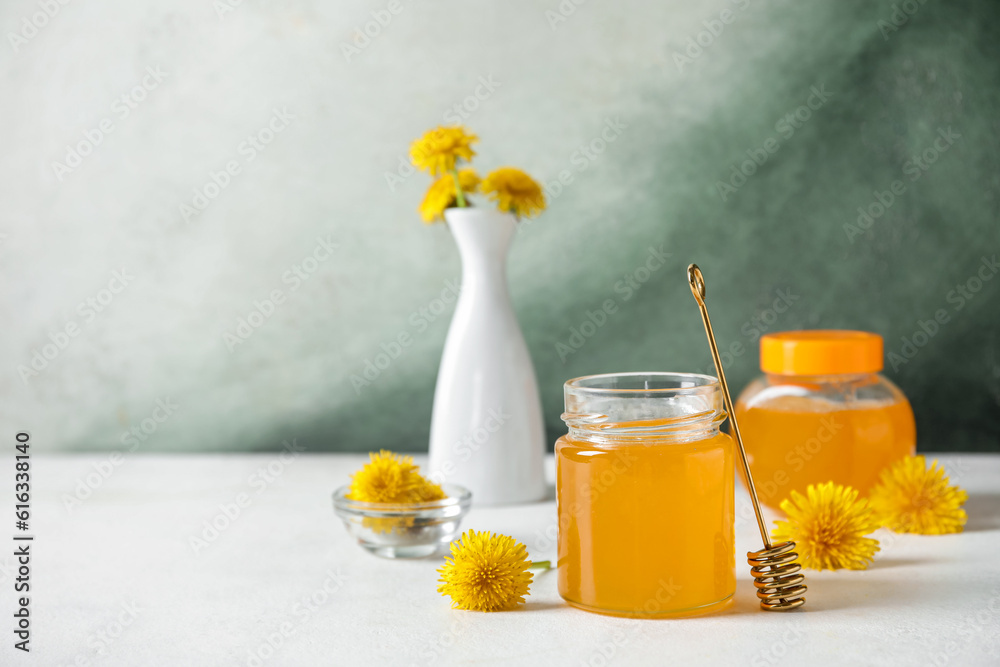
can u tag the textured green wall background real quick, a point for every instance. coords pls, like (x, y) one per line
(885, 87)
(792, 228)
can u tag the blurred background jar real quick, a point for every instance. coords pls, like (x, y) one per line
(822, 412)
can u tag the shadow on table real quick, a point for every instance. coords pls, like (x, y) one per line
(984, 511)
(541, 606)
(745, 600)
(887, 562)
(851, 591)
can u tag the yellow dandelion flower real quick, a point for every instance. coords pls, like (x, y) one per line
(486, 572)
(828, 526)
(387, 478)
(427, 491)
(514, 191)
(912, 498)
(442, 194)
(439, 149)
(392, 478)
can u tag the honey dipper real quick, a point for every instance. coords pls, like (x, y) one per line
(776, 575)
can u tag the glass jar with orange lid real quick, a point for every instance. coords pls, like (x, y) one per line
(645, 496)
(822, 412)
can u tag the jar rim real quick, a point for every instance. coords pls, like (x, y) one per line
(643, 405)
(682, 383)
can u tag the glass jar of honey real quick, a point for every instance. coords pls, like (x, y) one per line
(645, 496)
(822, 412)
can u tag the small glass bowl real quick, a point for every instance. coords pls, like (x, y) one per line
(404, 530)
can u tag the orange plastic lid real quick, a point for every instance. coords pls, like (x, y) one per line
(820, 352)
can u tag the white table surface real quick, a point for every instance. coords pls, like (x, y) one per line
(120, 566)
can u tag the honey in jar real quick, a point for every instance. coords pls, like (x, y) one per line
(822, 412)
(645, 496)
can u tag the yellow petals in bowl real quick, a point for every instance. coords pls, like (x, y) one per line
(392, 478)
(395, 512)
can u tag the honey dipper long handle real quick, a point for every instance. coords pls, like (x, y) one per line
(697, 281)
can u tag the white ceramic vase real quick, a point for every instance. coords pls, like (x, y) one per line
(487, 432)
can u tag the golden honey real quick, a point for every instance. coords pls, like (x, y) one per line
(645, 506)
(822, 413)
(792, 444)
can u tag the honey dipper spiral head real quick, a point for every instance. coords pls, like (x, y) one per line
(777, 577)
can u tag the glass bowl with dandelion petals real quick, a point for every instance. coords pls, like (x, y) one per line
(397, 530)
